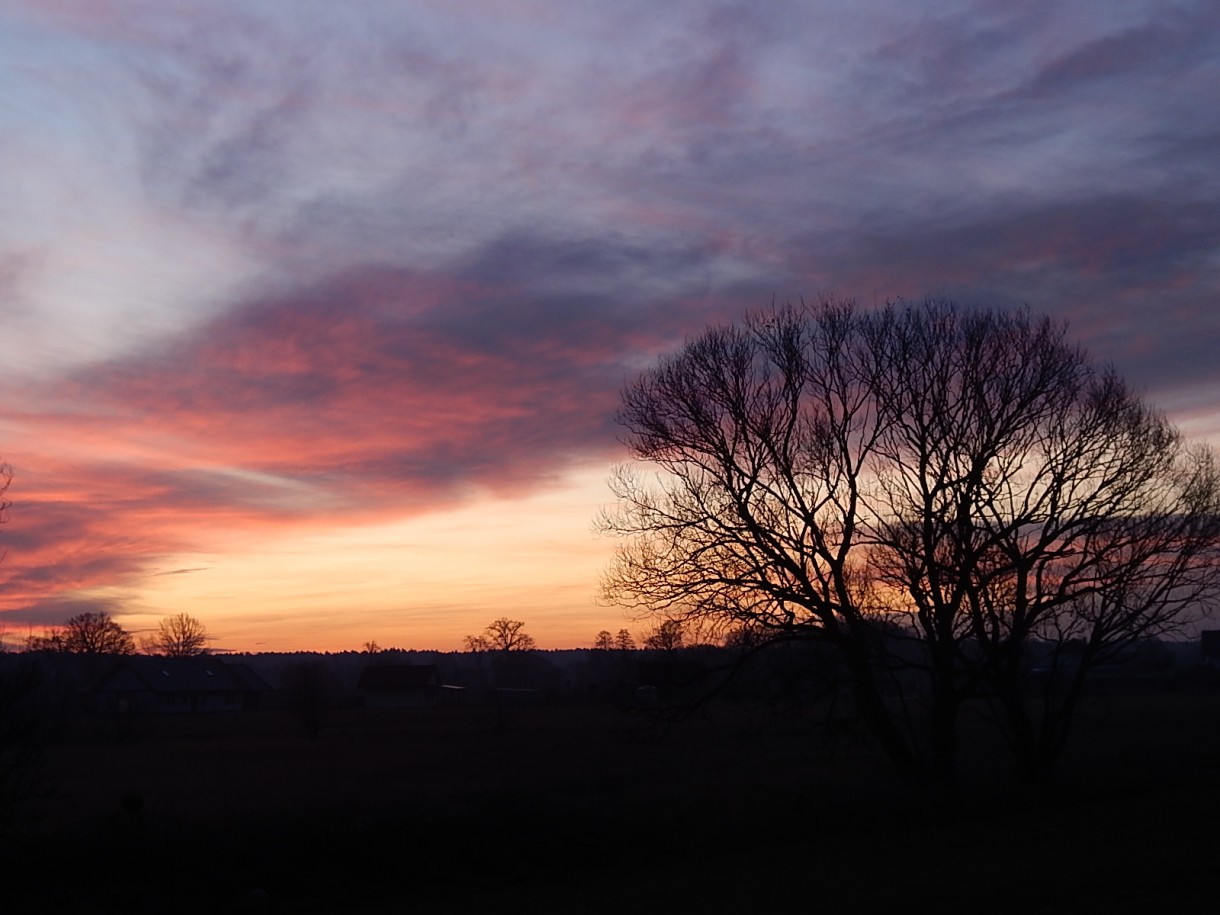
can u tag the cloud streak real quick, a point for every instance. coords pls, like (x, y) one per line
(377, 394)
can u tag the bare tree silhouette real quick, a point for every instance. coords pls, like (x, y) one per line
(920, 485)
(180, 636)
(670, 635)
(502, 634)
(91, 632)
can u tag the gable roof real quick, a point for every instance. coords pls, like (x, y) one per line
(248, 677)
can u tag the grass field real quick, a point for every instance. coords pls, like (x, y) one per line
(593, 809)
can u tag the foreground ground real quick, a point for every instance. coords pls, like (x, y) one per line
(596, 809)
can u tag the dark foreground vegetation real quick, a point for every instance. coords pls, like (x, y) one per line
(600, 808)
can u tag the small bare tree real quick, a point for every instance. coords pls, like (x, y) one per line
(180, 636)
(502, 635)
(506, 648)
(669, 636)
(86, 633)
(604, 641)
(51, 640)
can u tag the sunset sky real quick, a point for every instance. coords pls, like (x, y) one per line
(316, 314)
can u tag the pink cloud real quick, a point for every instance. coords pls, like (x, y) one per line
(376, 395)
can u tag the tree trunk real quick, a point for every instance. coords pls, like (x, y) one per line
(878, 716)
(942, 730)
(1038, 743)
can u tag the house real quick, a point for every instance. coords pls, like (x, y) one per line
(399, 685)
(177, 685)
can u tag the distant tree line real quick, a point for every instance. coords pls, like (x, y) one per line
(623, 641)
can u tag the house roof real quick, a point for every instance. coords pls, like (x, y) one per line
(398, 677)
(248, 677)
(178, 675)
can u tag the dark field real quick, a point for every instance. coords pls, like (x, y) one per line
(593, 809)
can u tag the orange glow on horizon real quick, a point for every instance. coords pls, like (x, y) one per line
(416, 583)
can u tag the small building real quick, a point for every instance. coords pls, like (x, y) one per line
(157, 685)
(399, 685)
